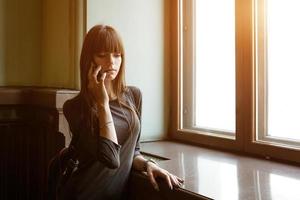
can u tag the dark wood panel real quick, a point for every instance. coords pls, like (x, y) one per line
(30, 135)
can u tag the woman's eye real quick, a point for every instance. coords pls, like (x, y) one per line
(101, 55)
(116, 54)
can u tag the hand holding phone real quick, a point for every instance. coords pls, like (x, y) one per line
(96, 85)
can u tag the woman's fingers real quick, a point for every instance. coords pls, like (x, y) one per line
(93, 72)
(96, 72)
(153, 181)
(171, 180)
(168, 179)
(165, 175)
(103, 76)
(174, 180)
(179, 179)
(90, 72)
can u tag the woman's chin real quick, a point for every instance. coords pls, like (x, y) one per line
(110, 77)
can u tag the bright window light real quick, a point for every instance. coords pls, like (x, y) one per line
(283, 68)
(215, 65)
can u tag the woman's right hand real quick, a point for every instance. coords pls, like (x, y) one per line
(96, 87)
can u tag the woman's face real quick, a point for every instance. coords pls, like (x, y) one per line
(110, 63)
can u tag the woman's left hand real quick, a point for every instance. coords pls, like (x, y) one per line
(155, 171)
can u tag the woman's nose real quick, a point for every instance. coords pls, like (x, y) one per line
(110, 58)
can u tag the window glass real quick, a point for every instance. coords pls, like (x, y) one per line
(278, 69)
(215, 65)
(283, 68)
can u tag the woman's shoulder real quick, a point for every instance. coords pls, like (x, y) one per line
(71, 110)
(71, 106)
(134, 95)
(136, 92)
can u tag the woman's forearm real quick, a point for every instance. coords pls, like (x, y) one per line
(107, 127)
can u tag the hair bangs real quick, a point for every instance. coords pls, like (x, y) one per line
(108, 41)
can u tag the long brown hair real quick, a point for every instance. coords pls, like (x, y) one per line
(101, 38)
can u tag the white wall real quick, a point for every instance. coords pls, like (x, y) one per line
(141, 24)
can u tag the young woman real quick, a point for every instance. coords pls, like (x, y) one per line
(105, 120)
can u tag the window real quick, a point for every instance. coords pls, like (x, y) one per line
(215, 78)
(277, 66)
(237, 75)
(209, 97)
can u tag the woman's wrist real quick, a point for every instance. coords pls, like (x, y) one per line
(103, 106)
(106, 124)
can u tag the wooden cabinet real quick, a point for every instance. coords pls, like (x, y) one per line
(32, 130)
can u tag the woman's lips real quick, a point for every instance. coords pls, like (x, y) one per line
(109, 70)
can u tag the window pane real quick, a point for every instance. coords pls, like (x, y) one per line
(283, 75)
(215, 65)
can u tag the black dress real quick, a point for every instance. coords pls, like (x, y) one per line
(104, 166)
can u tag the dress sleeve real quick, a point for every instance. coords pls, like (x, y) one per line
(137, 97)
(108, 152)
(93, 146)
(70, 117)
